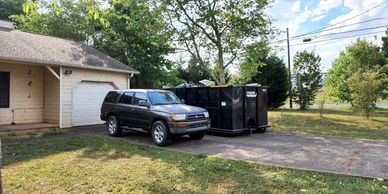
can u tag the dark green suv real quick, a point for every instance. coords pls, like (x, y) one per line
(159, 112)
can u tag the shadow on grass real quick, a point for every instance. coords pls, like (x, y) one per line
(196, 173)
(199, 170)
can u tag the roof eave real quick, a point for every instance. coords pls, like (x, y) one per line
(68, 65)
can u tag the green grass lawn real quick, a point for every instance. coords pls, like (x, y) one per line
(340, 122)
(90, 164)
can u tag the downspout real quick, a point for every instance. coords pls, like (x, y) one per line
(60, 97)
(129, 80)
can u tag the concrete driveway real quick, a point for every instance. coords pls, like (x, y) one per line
(356, 157)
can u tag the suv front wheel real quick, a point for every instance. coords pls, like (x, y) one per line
(113, 126)
(160, 133)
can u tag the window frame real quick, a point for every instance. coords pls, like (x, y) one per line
(2, 73)
(122, 96)
(115, 98)
(134, 96)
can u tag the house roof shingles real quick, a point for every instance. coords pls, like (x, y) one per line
(28, 47)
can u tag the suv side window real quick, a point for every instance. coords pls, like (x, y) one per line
(111, 97)
(139, 96)
(126, 98)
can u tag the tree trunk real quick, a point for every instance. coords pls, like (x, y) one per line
(221, 65)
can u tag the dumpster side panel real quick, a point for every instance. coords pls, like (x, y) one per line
(237, 108)
(181, 93)
(191, 96)
(262, 108)
(202, 97)
(251, 104)
(226, 108)
(214, 107)
(214, 98)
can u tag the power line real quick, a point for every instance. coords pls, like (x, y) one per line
(370, 20)
(343, 20)
(355, 35)
(344, 32)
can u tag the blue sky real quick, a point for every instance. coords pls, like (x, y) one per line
(303, 16)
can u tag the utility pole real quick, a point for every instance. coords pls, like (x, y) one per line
(289, 68)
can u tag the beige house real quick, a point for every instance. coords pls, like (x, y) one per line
(52, 80)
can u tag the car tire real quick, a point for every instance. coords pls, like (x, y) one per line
(160, 133)
(197, 135)
(113, 127)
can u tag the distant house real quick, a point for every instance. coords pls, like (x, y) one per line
(53, 80)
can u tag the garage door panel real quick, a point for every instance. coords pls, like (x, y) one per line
(87, 100)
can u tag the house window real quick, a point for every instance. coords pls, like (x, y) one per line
(4, 89)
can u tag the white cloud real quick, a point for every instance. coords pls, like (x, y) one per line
(296, 7)
(318, 18)
(329, 50)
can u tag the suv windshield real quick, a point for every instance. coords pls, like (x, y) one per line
(163, 98)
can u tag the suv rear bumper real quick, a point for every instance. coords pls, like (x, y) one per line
(186, 127)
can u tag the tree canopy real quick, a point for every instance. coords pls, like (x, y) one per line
(273, 74)
(365, 87)
(385, 44)
(131, 31)
(307, 75)
(10, 7)
(361, 56)
(218, 30)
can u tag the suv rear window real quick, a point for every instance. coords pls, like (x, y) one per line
(111, 97)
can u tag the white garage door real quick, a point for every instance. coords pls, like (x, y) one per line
(87, 100)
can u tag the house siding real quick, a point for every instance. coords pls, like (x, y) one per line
(26, 94)
(69, 82)
(51, 97)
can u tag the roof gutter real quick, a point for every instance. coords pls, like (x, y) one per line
(39, 62)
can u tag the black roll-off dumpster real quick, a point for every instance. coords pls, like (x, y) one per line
(232, 109)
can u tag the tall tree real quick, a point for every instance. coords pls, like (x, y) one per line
(360, 56)
(273, 74)
(138, 36)
(59, 18)
(131, 31)
(254, 58)
(365, 87)
(194, 72)
(385, 44)
(10, 7)
(222, 27)
(307, 74)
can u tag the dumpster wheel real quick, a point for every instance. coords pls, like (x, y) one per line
(251, 126)
(261, 129)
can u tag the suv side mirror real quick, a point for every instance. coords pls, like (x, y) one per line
(143, 103)
(183, 101)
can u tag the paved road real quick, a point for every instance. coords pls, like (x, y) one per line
(301, 151)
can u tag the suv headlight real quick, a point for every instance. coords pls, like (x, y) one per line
(178, 117)
(206, 114)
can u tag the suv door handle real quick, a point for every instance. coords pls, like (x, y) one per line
(132, 109)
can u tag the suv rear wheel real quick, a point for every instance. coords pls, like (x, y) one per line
(160, 133)
(113, 126)
(197, 135)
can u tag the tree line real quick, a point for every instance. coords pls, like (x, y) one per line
(215, 35)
